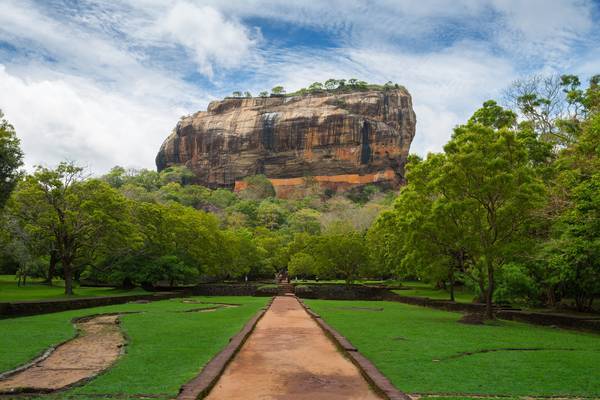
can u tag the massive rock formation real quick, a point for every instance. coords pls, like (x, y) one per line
(339, 140)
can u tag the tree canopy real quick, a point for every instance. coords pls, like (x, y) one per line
(11, 159)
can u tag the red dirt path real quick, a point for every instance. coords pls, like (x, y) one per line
(289, 357)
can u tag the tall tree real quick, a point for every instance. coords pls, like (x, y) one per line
(436, 232)
(11, 159)
(489, 177)
(573, 251)
(86, 218)
(342, 253)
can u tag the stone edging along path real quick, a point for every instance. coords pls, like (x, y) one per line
(375, 378)
(199, 387)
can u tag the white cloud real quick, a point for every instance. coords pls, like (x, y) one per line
(104, 81)
(542, 32)
(211, 39)
(97, 102)
(73, 119)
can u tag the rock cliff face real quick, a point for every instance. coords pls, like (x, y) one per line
(337, 140)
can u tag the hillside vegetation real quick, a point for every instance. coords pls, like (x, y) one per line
(510, 209)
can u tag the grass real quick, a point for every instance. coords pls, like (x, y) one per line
(419, 350)
(166, 348)
(35, 290)
(460, 295)
(390, 283)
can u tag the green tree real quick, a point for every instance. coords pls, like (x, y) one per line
(331, 84)
(263, 94)
(116, 177)
(178, 173)
(573, 251)
(271, 215)
(274, 248)
(168, 268)
(305, 220)
(237, 94)
(277, 90)
(147, 179)
(315, 86)
(86, 218)
(11, 159)
(429, 230)
(301, 264)
(554, 106)
(172, 230)
(258, 187)
(246, 259)
(489, 178)
(222, 198)
(342, 254)
(493, 116)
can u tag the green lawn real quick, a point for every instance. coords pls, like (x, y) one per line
(165, 347)
(460, 295)
(419, 349)
(34, 290)
(390, 283)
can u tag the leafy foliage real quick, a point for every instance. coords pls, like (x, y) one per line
(11, 159)
(510, 209)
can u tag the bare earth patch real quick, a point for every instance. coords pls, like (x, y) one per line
(96, 348)
(289, 357)
(210, 309)
(193, 301)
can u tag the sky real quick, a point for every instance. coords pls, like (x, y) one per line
(103, 82)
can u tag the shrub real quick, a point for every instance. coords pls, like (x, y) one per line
(515, 285)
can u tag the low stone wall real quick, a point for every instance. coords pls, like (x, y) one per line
(535, 318)
(33, 307)
(267, 291)
(550, 319)
(225, 289)
(340, 292)
(446, 305)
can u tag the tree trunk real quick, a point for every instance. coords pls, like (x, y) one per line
(580, 302)
(550, 296)
(127, 283)
(452, 289)
(172, 282)
(51, 268)
(68, 278)
(482, 291)
(489, 311)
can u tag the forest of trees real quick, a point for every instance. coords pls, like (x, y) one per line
(512, 205)
(510, 208)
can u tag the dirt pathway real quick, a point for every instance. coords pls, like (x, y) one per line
(289, 357)
(95, 349)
